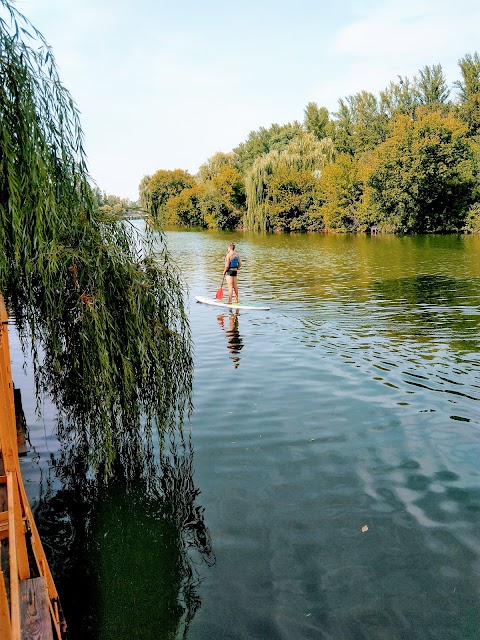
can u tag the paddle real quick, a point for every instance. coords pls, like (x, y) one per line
(219, 294)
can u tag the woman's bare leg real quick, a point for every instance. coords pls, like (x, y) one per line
(235, 287)
(230, 288)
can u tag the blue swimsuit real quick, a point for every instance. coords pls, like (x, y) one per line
(233, 267)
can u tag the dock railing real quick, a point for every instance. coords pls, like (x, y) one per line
(29, 603)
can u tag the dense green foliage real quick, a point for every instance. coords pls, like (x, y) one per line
(159, 188)
(317, 121)
(420, 179)
(281, 185)
(101, 308)
(214, 199)
(340, 194)
(203, 205)
(405, 160)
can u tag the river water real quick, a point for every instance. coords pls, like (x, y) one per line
(335, 451)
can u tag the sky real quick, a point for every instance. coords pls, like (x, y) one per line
(166, 84)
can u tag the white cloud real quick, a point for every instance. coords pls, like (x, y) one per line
(399, 38)
(411, 28)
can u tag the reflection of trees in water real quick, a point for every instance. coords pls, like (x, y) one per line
(429, 289)
(125, 555)
(431, 303)
(234, 339)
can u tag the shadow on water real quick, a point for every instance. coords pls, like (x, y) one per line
(232, 334)
(125, 556)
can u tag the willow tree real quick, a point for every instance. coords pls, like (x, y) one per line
(304, 153)
(275, 138)
(100, 307)
(214, 165)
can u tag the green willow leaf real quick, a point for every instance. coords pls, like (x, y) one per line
(101, 308)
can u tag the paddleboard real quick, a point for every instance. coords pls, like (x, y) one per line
(233, 305)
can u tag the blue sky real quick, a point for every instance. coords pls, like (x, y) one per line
(164, 85)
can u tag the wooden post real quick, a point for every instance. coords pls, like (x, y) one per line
(12, 549)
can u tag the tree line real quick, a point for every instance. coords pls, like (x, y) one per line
(404, 161)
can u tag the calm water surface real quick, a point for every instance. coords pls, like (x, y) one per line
(352, 403)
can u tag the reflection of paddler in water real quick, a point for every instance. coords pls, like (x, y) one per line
(235, 342)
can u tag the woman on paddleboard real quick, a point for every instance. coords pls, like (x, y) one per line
(232, 265)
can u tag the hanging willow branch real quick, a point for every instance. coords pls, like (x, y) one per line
(304, 151)
(101, 308)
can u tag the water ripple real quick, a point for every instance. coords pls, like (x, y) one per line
(355, 404)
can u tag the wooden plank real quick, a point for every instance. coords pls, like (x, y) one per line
(5, 628)
(35, 613)
(3, 311)
(7, 392)
(7, 413)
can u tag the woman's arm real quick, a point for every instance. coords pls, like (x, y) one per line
(227, 263)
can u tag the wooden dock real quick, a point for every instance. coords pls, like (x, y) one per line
(29, 603)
